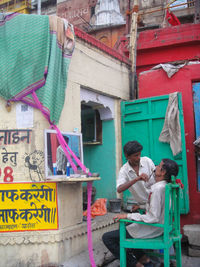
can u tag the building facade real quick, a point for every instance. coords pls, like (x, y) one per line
(98, 79)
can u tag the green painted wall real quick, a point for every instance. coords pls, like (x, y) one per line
(102, 159)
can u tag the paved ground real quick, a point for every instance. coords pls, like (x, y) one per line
(103, 258)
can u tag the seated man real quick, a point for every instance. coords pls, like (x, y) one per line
(154, 214)
(137, 174)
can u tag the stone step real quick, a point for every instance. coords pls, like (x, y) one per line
(192, 232)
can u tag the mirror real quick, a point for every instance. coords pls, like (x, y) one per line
(55, 159)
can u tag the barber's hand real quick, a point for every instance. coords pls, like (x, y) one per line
(135, 208)
(119, 216)
(144, 177)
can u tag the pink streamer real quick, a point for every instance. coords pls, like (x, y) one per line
(59, 135)
(89, 228)
(61, 139)
(40, 106)
(64, 145)
(72, 153)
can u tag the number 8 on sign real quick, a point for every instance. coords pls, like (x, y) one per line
(8, 174)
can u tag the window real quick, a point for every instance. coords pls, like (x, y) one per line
(91, 125)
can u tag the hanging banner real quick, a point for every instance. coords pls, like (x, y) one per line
(28, 206)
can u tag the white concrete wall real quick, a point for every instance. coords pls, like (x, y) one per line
(20, 170)
(92, 69)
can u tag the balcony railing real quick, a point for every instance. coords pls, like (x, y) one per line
(15, 5)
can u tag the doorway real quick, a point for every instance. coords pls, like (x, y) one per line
(196, 103)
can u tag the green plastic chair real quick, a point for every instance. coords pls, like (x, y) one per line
(171, 227)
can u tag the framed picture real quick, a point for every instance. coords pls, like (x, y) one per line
(55, 159)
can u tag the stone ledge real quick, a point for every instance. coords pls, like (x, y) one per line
(193, 234)
(193, 252)
(52, 236)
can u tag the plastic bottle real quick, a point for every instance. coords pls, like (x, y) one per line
(68, 169)
(54, 169)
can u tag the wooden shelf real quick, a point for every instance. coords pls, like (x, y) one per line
(91, 143)
(74, 179)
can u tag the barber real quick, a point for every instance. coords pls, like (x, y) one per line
(137, 174)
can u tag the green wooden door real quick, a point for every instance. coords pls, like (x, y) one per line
(143, 120)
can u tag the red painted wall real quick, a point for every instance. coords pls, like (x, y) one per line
(162, 46)
(167, 45)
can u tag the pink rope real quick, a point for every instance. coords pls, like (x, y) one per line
(61, 139)
(72, 153)
(40, 106)
(64, 145)
(89, 228)
(59, 135)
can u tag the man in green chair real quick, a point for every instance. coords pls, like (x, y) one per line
(154, 214)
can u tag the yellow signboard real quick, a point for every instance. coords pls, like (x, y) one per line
(28, 206)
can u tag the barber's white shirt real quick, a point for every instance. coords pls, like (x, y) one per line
(155, 209)
(140, 190)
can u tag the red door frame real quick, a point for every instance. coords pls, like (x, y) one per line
(163, 46)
